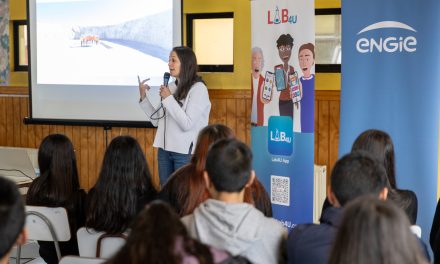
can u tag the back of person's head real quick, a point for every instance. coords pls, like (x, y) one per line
(356, 174)
(375, 231)
(407, 201)
(58, 178)
(380, 145)
(123, 179)
(229, 165)
(12, 216)
(158, 236)
(207, 136)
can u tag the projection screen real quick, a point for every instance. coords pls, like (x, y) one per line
(85, 56)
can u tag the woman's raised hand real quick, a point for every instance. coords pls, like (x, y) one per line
(143, 87)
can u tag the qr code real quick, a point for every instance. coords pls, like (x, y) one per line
(280, 190)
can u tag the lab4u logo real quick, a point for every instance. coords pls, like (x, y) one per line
(280, 135)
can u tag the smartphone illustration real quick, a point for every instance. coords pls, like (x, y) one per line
(268, 86)
(279, 79)
(295, 91)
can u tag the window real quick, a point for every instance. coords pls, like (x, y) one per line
(20, 45)
(211, 36)
(328, 40)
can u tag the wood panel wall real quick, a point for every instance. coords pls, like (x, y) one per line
(230, 107)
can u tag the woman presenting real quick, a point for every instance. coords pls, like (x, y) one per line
(185, 112)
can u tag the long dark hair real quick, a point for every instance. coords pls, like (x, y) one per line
(58, 179)
(188, 71)
(380, 145)
(124, 184)
(375, 231)
(158, 236)
(207, 136)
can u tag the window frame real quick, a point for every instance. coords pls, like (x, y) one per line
(16, 24)
(327, 68)
(190, 34)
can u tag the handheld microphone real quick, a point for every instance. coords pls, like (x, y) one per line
(166, 78)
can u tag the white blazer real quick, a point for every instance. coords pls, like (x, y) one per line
(177, 131)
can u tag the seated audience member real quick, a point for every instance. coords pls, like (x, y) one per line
(186, 189)
(434, 236)
(158, 236)
(58, 186)
(379, 144)
(123, 188)
(225, 221)
(375, 231)
(353, 175)
(12, 219)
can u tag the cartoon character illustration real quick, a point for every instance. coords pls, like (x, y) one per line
(261, 89)
(295, 87)
(306, 57)
(285, 76)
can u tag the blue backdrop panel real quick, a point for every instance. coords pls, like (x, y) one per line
(390, 81)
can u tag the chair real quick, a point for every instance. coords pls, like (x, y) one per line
(94, 244)
(47, 224)
(80, 260)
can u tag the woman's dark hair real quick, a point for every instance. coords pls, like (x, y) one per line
(407, 201)
(375, 231)
(123, 187)
(207, 136)
(12, 215)
(380, 145)
(158, 236)
(188, 71)
(58, 179)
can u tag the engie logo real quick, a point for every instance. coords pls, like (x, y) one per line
(280, 135)
(277, 19)
(390, 44)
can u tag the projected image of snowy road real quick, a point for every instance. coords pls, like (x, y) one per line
(100, 63)
(96, 42)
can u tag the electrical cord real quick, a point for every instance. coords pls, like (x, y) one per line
(155, 112)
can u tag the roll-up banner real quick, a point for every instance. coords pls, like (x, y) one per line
(390, 81)
(282, 86)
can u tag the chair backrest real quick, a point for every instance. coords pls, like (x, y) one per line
(80, 260)
(47, 224)
(40, 220)
(94, 244)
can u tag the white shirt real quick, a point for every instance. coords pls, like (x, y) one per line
(177, 131)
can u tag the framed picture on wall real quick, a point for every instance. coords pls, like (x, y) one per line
(20, 45)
